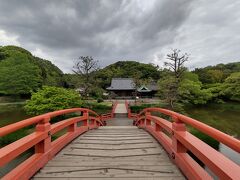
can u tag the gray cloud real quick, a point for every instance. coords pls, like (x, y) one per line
(112, 30)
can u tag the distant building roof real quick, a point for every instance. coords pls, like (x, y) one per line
(128, 84)
(122, 84)
(143, 89)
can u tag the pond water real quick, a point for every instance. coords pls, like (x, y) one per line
(11, 113)
(224, 117)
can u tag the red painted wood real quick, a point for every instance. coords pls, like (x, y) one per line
(178, 141)
(41, 139)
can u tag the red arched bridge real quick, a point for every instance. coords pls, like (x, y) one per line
(154, 148)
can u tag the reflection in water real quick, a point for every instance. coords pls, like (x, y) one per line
(231, 154)
(11, 113)
(8, 167)
(224, 117)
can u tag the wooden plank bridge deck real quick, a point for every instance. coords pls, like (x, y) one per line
(111, 152)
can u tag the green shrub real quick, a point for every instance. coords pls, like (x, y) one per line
(98, 107)
(138, 108)
(51, 99)
(99, 100)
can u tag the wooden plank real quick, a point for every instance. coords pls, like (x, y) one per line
(112, 152)
(129, 171)
(152, 157)
(156, 169)
(118, 132)
(138, 141)
(144, 158)
(117, 127)
(117, 178)
(113, 138)
(65, 163)
(121, 152)
(113, 147)
(115, 135)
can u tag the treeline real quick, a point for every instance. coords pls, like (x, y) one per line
(203, 85)
(221, 80)
(21, 72)
(100, 79)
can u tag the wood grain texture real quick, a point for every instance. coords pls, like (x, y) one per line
(124, 152)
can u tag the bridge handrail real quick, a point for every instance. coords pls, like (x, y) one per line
(178, 141)
(44, 117)
(212, 132)
(45, 148)
(114, 108)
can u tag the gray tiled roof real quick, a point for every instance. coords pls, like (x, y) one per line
(122, 84)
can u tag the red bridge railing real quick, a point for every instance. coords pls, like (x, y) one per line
(177, 141)
(109, 115)
(45, 148)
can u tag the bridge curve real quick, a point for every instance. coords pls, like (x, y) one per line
(116, 152)
(171, 134)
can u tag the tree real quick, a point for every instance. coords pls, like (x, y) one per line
(176, 65)
(231, 87)
(85, 68)
(136, 83)
(217, 73)
(50, 99)
(216, 76)
(176, 62)
(18, 75)
(190, 90)
(167, 89)
(21, 72)
(123, 69)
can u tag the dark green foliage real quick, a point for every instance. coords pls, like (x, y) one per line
(51, 99)
(21, 73)
(167, 87)
(13, 136)
(205, 138)
(139, 108)
(231, 87)
(72, 81)
(99, 100)
(217, 73)
(51, 74)
(96, 92)
(190, 90)
(18, 75)
(127, 69)
(99, 108)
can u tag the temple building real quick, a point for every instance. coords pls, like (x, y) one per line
(126, 88)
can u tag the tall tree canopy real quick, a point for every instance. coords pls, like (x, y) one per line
(21, 73)
(170, 84)
(128, 69)
(231, 87)
(217, 73)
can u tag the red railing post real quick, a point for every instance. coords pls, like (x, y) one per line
(177, 125)
(86, 115)
(44, 126)
(72, 127)
(158, 127)
(147, 121)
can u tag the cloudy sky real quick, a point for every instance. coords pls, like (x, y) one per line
(113, 30)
